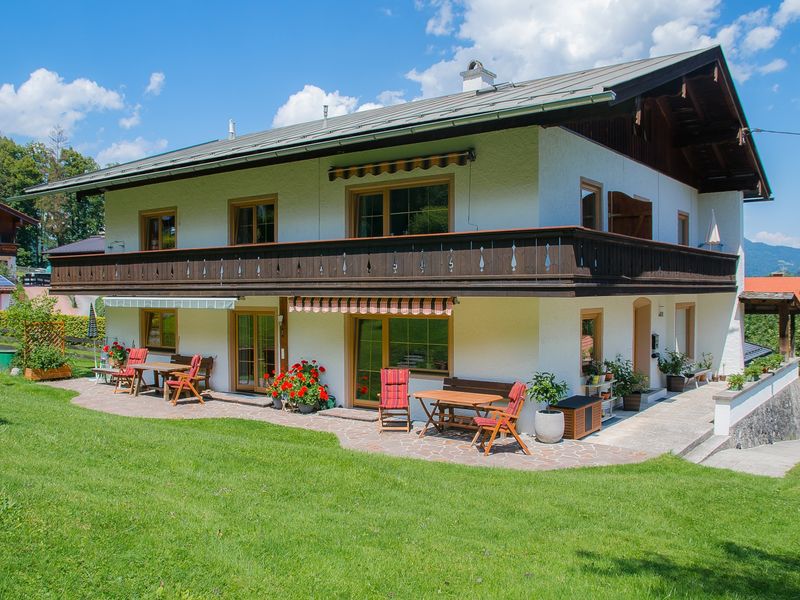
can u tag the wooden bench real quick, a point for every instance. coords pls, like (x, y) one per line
(697, 377)
(206, 364)
(474, 386)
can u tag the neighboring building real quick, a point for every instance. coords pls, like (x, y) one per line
(488, 234)
(775, 295)
(10, 222)
(95, 244)
(6, 291)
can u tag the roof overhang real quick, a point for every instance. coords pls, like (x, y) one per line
(769, 302)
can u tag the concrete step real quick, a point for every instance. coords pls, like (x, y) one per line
(352, 414)
(705, 449)
(239, 398)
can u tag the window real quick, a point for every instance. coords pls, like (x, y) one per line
(683, 228)
(253, 221)
(159, 230)
(684, 328)
(591, 338)
(159, 329)
(630, 216)
(402, 210)
(591, 194)
(419, 344)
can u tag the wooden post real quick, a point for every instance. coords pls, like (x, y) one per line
(783, 330)
(283, 337)
(792, 338)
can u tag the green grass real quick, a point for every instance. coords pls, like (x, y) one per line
(95, 505)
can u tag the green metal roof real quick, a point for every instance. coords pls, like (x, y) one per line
(605, 85)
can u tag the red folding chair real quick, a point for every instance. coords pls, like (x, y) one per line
(126, 373)
(184, 381)
(393, 411)
(502, 420)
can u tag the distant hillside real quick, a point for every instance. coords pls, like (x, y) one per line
(763, 259)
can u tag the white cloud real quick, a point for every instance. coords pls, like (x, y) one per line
(776, 88)
(776, 238)
(128, 150)
(559, 37)
(45, 101)
(441, 23)
(788, 12)
(156, 83)
(306, 105)
(133, 119)
(773, 67)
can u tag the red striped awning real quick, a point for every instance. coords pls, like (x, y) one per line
(404, 164)
(373, 306)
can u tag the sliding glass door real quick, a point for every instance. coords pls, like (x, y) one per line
(255, 350)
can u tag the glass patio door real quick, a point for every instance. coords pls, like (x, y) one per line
(369, 361)
(255, 350)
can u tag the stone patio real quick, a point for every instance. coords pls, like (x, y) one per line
(363, 436)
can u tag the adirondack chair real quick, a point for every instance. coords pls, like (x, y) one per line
(185, 381)
(126, 374)
(501, 420)
(393, 411)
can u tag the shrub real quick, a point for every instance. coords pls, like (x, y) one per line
(46, 357)
(752, 372)
(543, 387)
(626, 380)
(674, 363)
(74, 325)
(736, 381)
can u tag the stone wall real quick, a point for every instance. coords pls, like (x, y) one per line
(776, 420)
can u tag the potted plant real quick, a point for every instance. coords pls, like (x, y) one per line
(117, 354)
(47, 362)
(736, 382)
(628, 383)
(675, 365)
(752, 372)
(544, 389)
(300, 388)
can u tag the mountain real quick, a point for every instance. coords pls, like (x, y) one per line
(763, 259)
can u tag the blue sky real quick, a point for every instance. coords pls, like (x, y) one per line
(130, 79)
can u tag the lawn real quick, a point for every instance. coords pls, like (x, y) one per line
(96, 505)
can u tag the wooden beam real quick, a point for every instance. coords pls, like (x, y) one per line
(783, 331)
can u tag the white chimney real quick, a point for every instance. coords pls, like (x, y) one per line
(476, 77)
(231, 129)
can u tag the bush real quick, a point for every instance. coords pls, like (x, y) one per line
(674, 363)
(627, 381)
(46, 357)
(74, 325)
(543, 387)
(736, 382)
(753, 372)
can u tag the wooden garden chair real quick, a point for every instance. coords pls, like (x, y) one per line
(185, 381)
(126, 373)
(501, 420)
(393, 410)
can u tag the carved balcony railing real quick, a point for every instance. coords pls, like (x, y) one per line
(564, 261)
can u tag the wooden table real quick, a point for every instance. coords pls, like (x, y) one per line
(442, 413)
(158, 368)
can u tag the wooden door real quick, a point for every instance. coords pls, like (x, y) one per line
(255, 351)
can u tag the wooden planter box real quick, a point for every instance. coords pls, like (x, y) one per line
(64, 372)
(582, 416)
(676, 383)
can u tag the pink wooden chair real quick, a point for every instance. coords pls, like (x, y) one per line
(126, 373)
(393, 411)
(184, 381)
(502, 420)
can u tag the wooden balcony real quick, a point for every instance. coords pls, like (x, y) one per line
(560, 261)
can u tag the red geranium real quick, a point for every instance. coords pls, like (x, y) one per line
(301, 384)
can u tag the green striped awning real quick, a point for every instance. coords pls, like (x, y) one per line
(166, 302)
(404, 164)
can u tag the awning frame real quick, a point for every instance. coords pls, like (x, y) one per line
(213, 303)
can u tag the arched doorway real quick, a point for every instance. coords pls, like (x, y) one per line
(642, 312)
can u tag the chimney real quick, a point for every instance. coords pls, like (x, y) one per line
(476, 77)
(231, 129)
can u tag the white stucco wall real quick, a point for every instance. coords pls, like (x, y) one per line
(565, 157)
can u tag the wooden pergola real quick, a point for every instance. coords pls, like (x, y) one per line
(785, 304)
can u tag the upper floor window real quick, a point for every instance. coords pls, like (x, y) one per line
(630, 216)
(254, 221)
(683, 228)
(402, 209)
(591, 193)
(159, 229)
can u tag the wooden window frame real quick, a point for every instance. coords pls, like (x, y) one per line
(591, 313)
(147, 214)
(352, 362)
(683, 228)
(691, 309)
(597, 187)
(144, 333)
(352, 193)
(235, 204)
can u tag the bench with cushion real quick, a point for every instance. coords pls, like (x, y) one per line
(206, 364)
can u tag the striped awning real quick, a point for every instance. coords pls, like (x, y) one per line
(373, 306)
(404, 164)
(165, 302)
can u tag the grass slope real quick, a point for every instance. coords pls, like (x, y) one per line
(95, 505)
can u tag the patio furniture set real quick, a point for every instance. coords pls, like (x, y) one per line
(181, 375)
